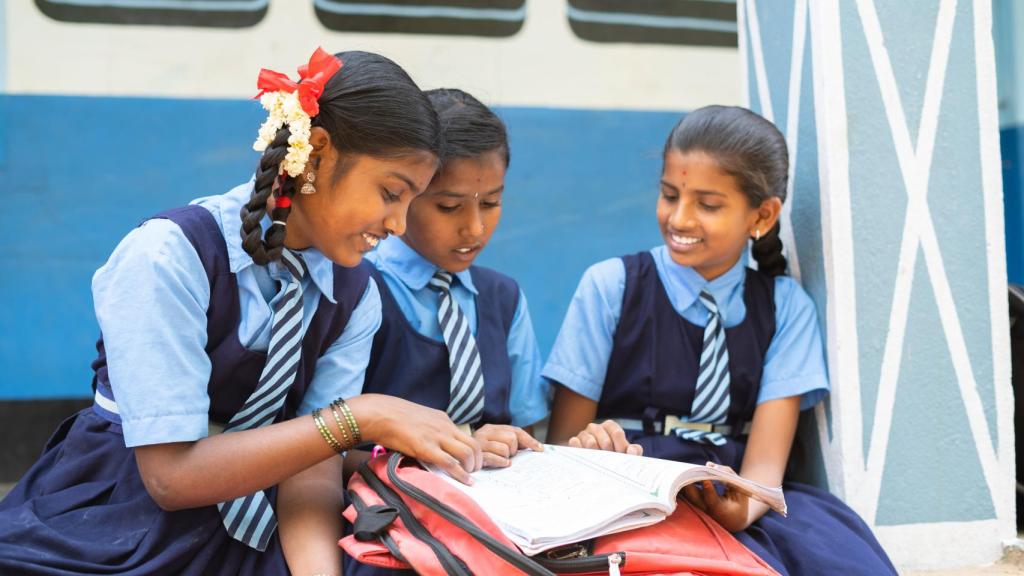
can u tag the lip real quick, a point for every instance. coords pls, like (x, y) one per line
(468, 256)
(681, 247)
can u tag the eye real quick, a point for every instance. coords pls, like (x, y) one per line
(710, 207)
(491, 204)
(669, 195)
(390, 196)
(446, 208)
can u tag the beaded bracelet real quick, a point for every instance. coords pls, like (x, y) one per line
(326, 432)
(346, 439)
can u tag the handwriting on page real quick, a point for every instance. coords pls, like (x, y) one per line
(545, 493)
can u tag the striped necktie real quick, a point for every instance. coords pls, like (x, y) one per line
(711, 398)
(466, 400)
(250, 519)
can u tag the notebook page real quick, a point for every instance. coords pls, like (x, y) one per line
(550, 498)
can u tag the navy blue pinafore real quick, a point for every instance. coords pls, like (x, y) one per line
(83, 509)
(652, 372)
(412, 366)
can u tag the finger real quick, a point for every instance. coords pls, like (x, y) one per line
(635, 449)
(600, 436)
(711, 496)
(617, 435)
(461, 451)
(450, 465)
(525, 440)
(492, 460)
(495, 448)
(509, 438)
(588, 440)
(694, 497)
(574, 442)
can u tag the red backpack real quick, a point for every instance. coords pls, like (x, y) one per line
(406, 517)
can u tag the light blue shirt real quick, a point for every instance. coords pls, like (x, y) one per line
(151, 299)
(407, 273)
(794, 364)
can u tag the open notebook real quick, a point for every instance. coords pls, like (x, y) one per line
(565, 495)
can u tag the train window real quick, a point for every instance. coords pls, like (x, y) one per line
(689, 22)
(200, 13)
(491, 18)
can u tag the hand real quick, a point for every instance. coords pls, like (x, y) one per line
(501, 442)
(417, 431)
(729, 509)
(607, 435)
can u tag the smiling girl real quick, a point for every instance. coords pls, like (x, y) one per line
(235, 332)
(684, 353)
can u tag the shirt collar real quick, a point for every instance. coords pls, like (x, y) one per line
(228, 207)
(411, 268)
(686, 284)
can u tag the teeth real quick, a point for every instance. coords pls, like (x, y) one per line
(685, 240)
(463, 250)
(371, 239)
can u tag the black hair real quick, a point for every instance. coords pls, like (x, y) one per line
(370, 106)
(751, 150)
(469, 128)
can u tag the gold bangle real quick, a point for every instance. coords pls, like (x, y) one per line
(357, 437)
(325, 432)
(341, 426)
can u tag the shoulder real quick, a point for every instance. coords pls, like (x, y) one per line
(606, 275)
(791, 299)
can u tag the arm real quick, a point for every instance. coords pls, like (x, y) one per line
(771, 437)
(226, 466)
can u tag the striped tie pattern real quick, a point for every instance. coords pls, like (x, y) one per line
(466, 400)
(711, 399)
(250, 519)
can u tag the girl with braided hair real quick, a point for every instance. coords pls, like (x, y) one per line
(684, 353)
(235, 334)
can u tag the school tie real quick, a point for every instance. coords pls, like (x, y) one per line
(250, 519)
(711, 398)
(466, 399)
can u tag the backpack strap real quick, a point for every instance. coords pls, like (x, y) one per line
(513, 557)
(449, 562)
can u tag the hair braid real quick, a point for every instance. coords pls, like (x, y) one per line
(267, 247)
(768, 252)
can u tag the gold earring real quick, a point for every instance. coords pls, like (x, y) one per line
(310, 177)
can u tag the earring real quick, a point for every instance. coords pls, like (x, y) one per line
(757, 235)
(310, 177)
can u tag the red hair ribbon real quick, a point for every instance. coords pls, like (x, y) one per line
(312, 78)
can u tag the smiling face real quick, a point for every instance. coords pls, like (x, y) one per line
(454, 219)
(348, 215)
(704, 217)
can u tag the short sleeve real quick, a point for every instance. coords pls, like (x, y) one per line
(151, 298)
(795, 362)
(579, 357)
(340, 372)
(528, 398)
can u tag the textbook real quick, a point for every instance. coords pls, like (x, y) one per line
(564, 495)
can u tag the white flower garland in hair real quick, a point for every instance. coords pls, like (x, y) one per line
(284, 108)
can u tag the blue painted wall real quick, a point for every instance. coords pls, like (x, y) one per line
(81, 172)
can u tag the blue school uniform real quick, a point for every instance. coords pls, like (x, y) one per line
(185, 323)
(410, 359)
(631, 342)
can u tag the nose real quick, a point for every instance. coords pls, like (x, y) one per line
(473, 227)
(394, 220)
(683, 216)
